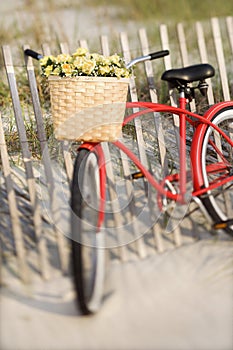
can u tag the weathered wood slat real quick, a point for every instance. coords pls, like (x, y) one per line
(184, 55)
(52, 188)
(204, 58)
(23, 270)
(183, 45)
(65, 145)
(158, 126)
(173, 100)
(105, 45)
(220, 58)
(165, 45)
(148, 65)
(112, 191)
(229, 22)
(159, 130)
(168, 65)
(27, 159)
(154, 98)
(134, 98)
(121, 252)
(139, 134)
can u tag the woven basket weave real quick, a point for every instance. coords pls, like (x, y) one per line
(88, 108)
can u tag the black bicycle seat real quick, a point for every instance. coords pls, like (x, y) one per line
(183, 76)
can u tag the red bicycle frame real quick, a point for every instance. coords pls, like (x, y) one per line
(201, 124)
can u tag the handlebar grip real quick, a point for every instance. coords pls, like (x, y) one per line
(158, 54)
(33, 54)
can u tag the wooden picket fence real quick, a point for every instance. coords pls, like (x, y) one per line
(47, 245)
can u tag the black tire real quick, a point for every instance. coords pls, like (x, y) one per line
(87, 242)
(219, 202)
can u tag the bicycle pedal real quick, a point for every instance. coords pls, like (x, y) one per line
(135, 176)
(223, 224)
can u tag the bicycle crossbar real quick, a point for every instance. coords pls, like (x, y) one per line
(156, 107)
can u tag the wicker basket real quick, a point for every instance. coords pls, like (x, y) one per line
(88, 108)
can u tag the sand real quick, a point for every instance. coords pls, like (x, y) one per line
(181, 299)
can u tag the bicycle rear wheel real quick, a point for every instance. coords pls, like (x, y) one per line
(87, 240)
(217, 164)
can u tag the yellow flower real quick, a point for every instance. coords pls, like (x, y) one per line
(81, 51)
(84, 63)
(78, 62)
(48, 70)
(121, 72)
(45, 59)
(63, 58)
(125, 73)
(56, 71)
(99, 59)
(88, 66)
(67, 69)
(115, 59)
(106, 61)
(104, 70)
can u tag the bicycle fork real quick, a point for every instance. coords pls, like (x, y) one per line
(97, 149)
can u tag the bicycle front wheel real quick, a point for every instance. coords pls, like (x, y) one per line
(217, 165)
(87, 240)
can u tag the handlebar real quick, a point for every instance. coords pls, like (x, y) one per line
(33, 54)
(151, 56)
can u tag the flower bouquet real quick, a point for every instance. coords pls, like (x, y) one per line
(88, 95)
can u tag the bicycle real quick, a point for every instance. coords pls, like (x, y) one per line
(211, 175)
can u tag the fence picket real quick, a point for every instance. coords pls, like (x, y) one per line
(229, 22)
(183, 45)
(66, 144)
(112, 192)
(158, 127)
(46, 160)
(138, 129)
(27, 159)
(204, 58)
(184, 55)
(220, 57)
(23, 270)
(168, 65)
(173, 99)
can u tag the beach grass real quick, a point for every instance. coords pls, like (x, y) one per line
(169, 10)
